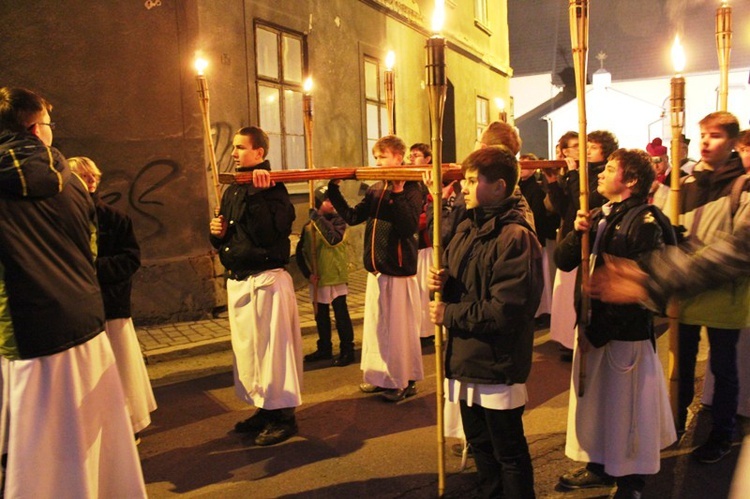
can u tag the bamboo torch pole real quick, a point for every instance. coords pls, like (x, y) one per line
(723, 46)
(677, 118)
(200, 67)
(307, 114)
(390, 90)
(436, 92)
(579, 37)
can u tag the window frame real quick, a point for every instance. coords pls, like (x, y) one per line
(282, 85)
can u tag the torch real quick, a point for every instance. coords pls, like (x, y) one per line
(579, 38)
(437, 88)
(502, 114)
(388, 77)
(200, 67)
(677, 118)
(307, 114)
(723, 46)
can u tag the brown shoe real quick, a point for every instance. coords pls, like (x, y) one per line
(370, 388)
(399, 394)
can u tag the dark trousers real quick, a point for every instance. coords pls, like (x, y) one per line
(343, 325)
(723, 343)
(500, 451)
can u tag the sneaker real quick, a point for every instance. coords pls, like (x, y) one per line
(276, 432)
(344, 359)
(254, 424)
(582, 478)
(370, 388)
(398, 394)
(318, 355)
(458, 450)
(713, 451)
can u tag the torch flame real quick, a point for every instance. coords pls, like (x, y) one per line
(200, 65)
(390, 60)
(438, 16)
(500, 103)
(308, 85)
(678, 55)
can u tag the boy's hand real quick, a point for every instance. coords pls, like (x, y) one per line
(436, 279)
(583, 221)
(427, 179)
(572, 164)
(437, 312)
(398, 186)
(262, 179)
(218, 227)
(619, 281)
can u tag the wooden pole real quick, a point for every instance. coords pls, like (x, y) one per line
(307, 114)
(723, 47)
(208, 139)
(449, 171)
(579, 37)
(437, 88)
(677, 117)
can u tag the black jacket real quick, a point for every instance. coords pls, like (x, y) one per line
(390, 243)
(545, 223)
(615, 322)
(565, 195)
(51, 298)
(495, 280)
(259, 222)
(117, 260)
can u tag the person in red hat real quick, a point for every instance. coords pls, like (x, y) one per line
(660, 160)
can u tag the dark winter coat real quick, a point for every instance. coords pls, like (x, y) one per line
(495, 280)
(50, 299)
(118, 258)
(390, 242)
(645, 234)
(259, 222)
(565, 195)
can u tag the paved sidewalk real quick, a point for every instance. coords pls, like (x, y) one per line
(183, 339)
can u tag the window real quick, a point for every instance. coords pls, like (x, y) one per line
(375, 109)
(483, 115)
(481, 16)
(279, 77)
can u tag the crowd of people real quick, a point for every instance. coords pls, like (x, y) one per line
(512, 243)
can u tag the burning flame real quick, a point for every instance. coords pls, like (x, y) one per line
(678, 55)
(390, 60)
(500, 103)
(438, 16)
(200, 65)
(308, 85)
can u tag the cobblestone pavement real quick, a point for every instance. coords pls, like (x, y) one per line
(182, 339)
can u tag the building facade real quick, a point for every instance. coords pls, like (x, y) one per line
(121, 78)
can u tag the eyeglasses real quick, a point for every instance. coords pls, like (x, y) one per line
(51, 125)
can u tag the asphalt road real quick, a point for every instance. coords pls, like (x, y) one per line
(356, 445)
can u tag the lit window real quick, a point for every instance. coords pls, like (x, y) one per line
(480, 12)
(375, 109)
(483, 115)
(279, 56)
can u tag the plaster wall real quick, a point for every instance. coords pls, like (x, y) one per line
(120, 77)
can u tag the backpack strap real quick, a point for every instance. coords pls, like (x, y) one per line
(627, 221)
(738, 186)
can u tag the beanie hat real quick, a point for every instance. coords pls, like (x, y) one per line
(655, 148)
